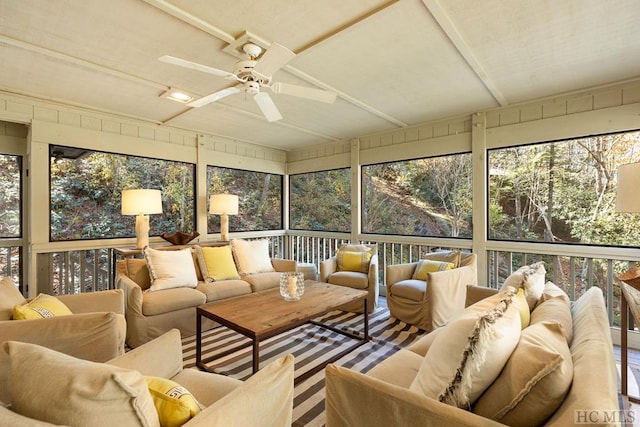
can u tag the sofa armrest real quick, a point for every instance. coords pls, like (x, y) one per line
(327, 268)
(398, 272)
(447, 291)
(354, 399)
(160, 357)
(90, 302)
(373, 271)
(282, 265)
(132, 295)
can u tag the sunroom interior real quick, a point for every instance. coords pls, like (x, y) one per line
(413, 80)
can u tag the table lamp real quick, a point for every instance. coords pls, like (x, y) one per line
(141, 202)
(223, 205)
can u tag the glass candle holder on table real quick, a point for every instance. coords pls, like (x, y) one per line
(291, 285)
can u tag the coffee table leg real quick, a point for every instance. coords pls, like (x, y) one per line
(256, 356)
(198, 340)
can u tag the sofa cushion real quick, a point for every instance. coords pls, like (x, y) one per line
(10, 296)
(216, 263)
(557, 311)
(534, 381)
(155, 303)
(468, 355)
(170, 269)
(400, 370)
(138, 271)
(261, 281)
(430, 266)
(77, 392)
(41, 306)
(351, 279)
(174, 404)
(224, 289)
(531, 279)
(252, 256)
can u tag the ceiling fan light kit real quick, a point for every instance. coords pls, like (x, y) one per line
(177, 95)
(252, 75)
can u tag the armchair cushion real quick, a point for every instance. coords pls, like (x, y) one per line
(470, 353)
(430, 266)
(76, 392)
(252, 256)
(41, 306)
(170, 269)
(216, 263)
(410, 289)
(10, 296)
(350, 279)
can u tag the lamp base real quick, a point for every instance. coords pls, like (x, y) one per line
(142, 231)
(224, 227)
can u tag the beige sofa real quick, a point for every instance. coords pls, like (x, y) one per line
(429, 303)
(265, 399)
(382, 397)
(96, 331)
(150, 314)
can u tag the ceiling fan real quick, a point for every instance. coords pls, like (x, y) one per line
(252, 75)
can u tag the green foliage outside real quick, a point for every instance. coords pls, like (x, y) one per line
(321, 201)
(86, 195)
(422, 197)
(259, 198)
(10, 209)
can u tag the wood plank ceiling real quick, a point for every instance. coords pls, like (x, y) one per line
(393, 63)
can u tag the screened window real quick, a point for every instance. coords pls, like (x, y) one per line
(259, 198)
(86, 192)
(421, 197)
(320, 201)
(11, 214)
(562, 191)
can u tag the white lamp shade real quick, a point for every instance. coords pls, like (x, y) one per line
(223, 204)
(143, 201)
(628, 188)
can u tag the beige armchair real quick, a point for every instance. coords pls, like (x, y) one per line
(429, 303)
(363, 274)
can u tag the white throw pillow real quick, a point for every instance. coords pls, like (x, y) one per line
(252, 256)
(531, 279)
(170, 269)
(468, 355)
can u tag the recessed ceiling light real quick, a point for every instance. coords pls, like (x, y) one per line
(177, 95)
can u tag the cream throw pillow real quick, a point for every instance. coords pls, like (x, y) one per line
(60, 389)
(10, 296)
(216, 263)
(531, 279)
(252, 256)
(444, 256)
(170, 269)
(41, 306)
(468, 355)
(535, 380)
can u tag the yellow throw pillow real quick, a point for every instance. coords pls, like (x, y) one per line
(41, 306)
(353, 260)
(174, 403)
(216, 263)
(523, 306)
(429, 266)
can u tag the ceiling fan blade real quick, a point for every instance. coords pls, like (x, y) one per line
(267, 107)
(214, 97)
(304, 92)
(273, 59)
(194, 66)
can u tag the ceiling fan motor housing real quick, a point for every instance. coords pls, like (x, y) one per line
(252, 88)
(244, 72)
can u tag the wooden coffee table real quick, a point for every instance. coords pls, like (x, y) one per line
(264, 314)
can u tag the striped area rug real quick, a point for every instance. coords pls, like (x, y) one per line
(310, 345)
